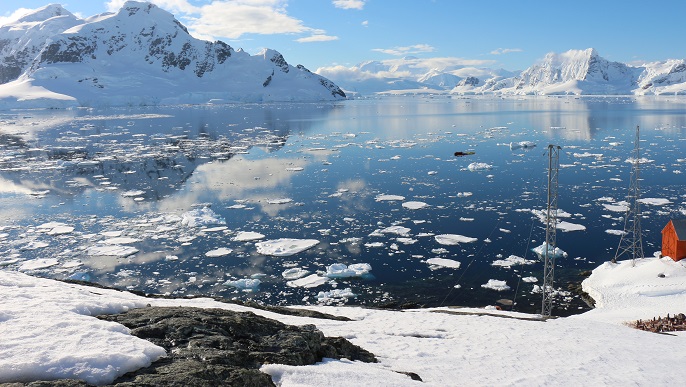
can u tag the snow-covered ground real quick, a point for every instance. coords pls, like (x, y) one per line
(47, 331)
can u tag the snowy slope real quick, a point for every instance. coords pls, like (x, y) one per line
(47, 332)
(140, 55)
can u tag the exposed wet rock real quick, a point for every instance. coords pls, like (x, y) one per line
(219, 347)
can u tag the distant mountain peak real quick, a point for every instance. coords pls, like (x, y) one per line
(44, 13)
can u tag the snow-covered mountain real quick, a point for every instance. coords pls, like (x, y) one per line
(575, 72)
(585, 72)
(139, 55)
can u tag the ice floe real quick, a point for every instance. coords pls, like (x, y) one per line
(496, 285)
(414, 205)
(340, 270)
(285, 246)
(512, 260)
(443, 263)
(244, 284)
(294, 273)
(111, 251)
(453, 239)
(311, 281)
(382, 198)
(40, 263)
(557, 252)
(479, 167)
(200, 217)
(220, 252)
(244, 236)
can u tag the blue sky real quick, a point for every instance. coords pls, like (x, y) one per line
(497, 34)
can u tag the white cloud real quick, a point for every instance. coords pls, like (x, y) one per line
(500, 51)
(365, 23)
(349, 4)
(317, 38)
(405, 50)
(233, 19)
(14, 16)
(395, 68)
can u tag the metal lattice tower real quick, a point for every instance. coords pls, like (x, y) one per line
(550, 230)
(631, 242)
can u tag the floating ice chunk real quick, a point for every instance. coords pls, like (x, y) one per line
(453, 239)
(36, 264)
(285, 246)
(335, 295)
(279, 201)
(294, 169)
(654, 201)
(496, 285)
(587, 154)
(642, 160)
(35, 245)
(540, 250)
(311, 281)
(398, 230)
(112, 234)
(120, 241)
(244, 236)
(464, 194)
(236, 206)
(294, 273)
(55, 228)
(567, 226)
(618, 207)
(374, 245)
(479, 167)
(530, 279)
(220, 252)
(132, 193)
(214, 229)
(201, 217)
(522, 145)
(406, 241)
(244, 284)
(615, 232)
(339, 270)
(511, 261)
(111, 251)
(443, 262)
(382, 198)
(415, 205)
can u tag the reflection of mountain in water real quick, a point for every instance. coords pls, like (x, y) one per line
(144, 156)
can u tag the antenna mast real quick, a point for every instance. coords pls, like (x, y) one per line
(550, 230)
(631, 242)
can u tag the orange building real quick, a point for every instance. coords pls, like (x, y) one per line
(674, 239)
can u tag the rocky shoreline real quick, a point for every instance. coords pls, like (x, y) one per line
(215, 347)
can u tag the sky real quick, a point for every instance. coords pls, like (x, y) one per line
(511, 34)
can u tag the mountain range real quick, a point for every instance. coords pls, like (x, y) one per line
(140, 55)
(575, 72)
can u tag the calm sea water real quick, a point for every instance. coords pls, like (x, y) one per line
(72, 180)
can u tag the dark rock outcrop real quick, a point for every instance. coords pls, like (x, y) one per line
(216, 347)
(219, 347)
